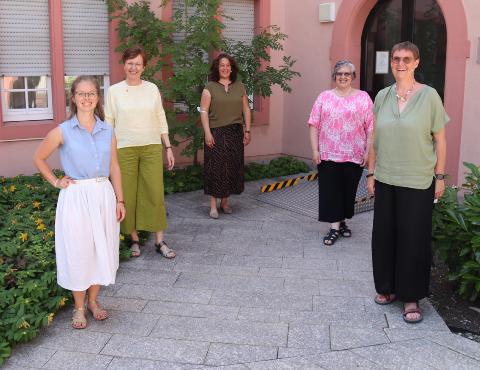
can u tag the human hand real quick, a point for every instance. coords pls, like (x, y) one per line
(371, 185)
(365, 160)
(209, 140)
(246, 138)
(121, 212)
(439, 188)
(316, 157)
(64, 182)
(170, 159)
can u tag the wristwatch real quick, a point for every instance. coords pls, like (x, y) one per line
(440, 176)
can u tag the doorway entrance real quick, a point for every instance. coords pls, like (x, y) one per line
(394, 21)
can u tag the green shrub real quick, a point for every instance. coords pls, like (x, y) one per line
(456, 234)
(282, 166)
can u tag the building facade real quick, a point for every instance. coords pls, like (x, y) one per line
(44, 44)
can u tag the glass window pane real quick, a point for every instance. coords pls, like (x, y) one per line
(13, 83)
(37, 82)
(16, 100)
(37, 99)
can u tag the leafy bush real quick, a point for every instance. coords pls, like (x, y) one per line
(456, 234)
(282, 166)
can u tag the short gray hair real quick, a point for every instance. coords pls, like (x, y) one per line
(343, 63)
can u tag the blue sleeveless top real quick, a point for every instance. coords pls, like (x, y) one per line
(84, 155)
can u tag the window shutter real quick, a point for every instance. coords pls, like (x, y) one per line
(85, 37)
(241, 27)
(24, 38)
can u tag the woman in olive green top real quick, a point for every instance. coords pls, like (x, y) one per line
(406, 173)
(224, 109)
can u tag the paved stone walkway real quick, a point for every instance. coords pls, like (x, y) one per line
(252, 290)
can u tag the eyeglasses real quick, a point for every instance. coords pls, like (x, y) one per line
(343, 74)
(134, 65)
(405, 60)
(84, 95)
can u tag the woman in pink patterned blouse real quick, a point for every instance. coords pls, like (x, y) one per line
(341, 124)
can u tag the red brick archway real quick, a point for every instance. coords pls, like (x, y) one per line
(346, 44)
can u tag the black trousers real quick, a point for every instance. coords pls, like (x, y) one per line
(401, 241)
(337, 188)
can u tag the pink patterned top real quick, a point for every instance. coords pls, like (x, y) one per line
(343, 124)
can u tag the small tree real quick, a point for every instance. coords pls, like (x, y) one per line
(186, 61)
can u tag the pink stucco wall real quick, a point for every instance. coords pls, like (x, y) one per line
(470, 138)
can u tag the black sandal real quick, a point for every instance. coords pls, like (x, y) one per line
(331, 237)
(344, 230)
(163, 249)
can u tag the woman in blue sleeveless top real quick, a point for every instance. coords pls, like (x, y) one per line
(89, 206)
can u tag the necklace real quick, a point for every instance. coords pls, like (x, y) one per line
(404, 97)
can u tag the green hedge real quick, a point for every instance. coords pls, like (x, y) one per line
(456, 234)
(29, 294)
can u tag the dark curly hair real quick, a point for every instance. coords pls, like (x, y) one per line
(215, 73)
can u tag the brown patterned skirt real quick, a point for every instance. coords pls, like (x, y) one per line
(223, 167)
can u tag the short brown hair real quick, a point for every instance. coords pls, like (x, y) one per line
(133, 52)
(407, 45)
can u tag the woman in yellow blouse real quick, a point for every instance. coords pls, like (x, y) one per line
(134, 108)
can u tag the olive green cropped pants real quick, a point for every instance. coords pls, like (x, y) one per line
(142, 181)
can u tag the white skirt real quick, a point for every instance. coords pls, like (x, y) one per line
(87, 235)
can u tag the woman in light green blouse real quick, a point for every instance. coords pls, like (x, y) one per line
(406, 173)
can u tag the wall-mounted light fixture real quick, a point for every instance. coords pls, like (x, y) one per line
(326, 12)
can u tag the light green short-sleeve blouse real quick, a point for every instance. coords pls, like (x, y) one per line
(404, 142)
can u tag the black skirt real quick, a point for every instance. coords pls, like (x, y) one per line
(337, 188)
(224, 163)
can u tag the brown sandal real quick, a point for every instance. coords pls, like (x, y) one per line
(387, 299)
(79, 321)
(97, 311)
(163, 249)
(416, 310)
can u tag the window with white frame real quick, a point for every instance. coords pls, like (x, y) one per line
(25, 84)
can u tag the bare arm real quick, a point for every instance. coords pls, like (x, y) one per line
(247, 116)
(204, 108)
(314, 144)
(116, 178)
(441, 149)
(48, 145)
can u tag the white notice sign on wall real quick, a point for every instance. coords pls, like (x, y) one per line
(381, 63)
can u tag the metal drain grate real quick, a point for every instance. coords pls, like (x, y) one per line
(303, 198)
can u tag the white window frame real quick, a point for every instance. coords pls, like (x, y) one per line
(26, 114)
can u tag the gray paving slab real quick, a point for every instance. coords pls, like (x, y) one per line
(125, 363)
(150, 292)
(161, 349)
(253, 290)
(228, 282)
(258, 299)
(191, 310)
(309, 336)
(347, 337)
(71, 340)
(231, 354)
(27, 355)
(77, 361)
(224, 331)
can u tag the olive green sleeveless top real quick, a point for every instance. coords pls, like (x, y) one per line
(226, 107)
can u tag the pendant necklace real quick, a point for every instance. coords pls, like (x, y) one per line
(403, 98)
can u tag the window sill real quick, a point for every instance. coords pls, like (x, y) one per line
(25, 130)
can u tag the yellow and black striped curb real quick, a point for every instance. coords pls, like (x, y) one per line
(287, 183)
(364, 199)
